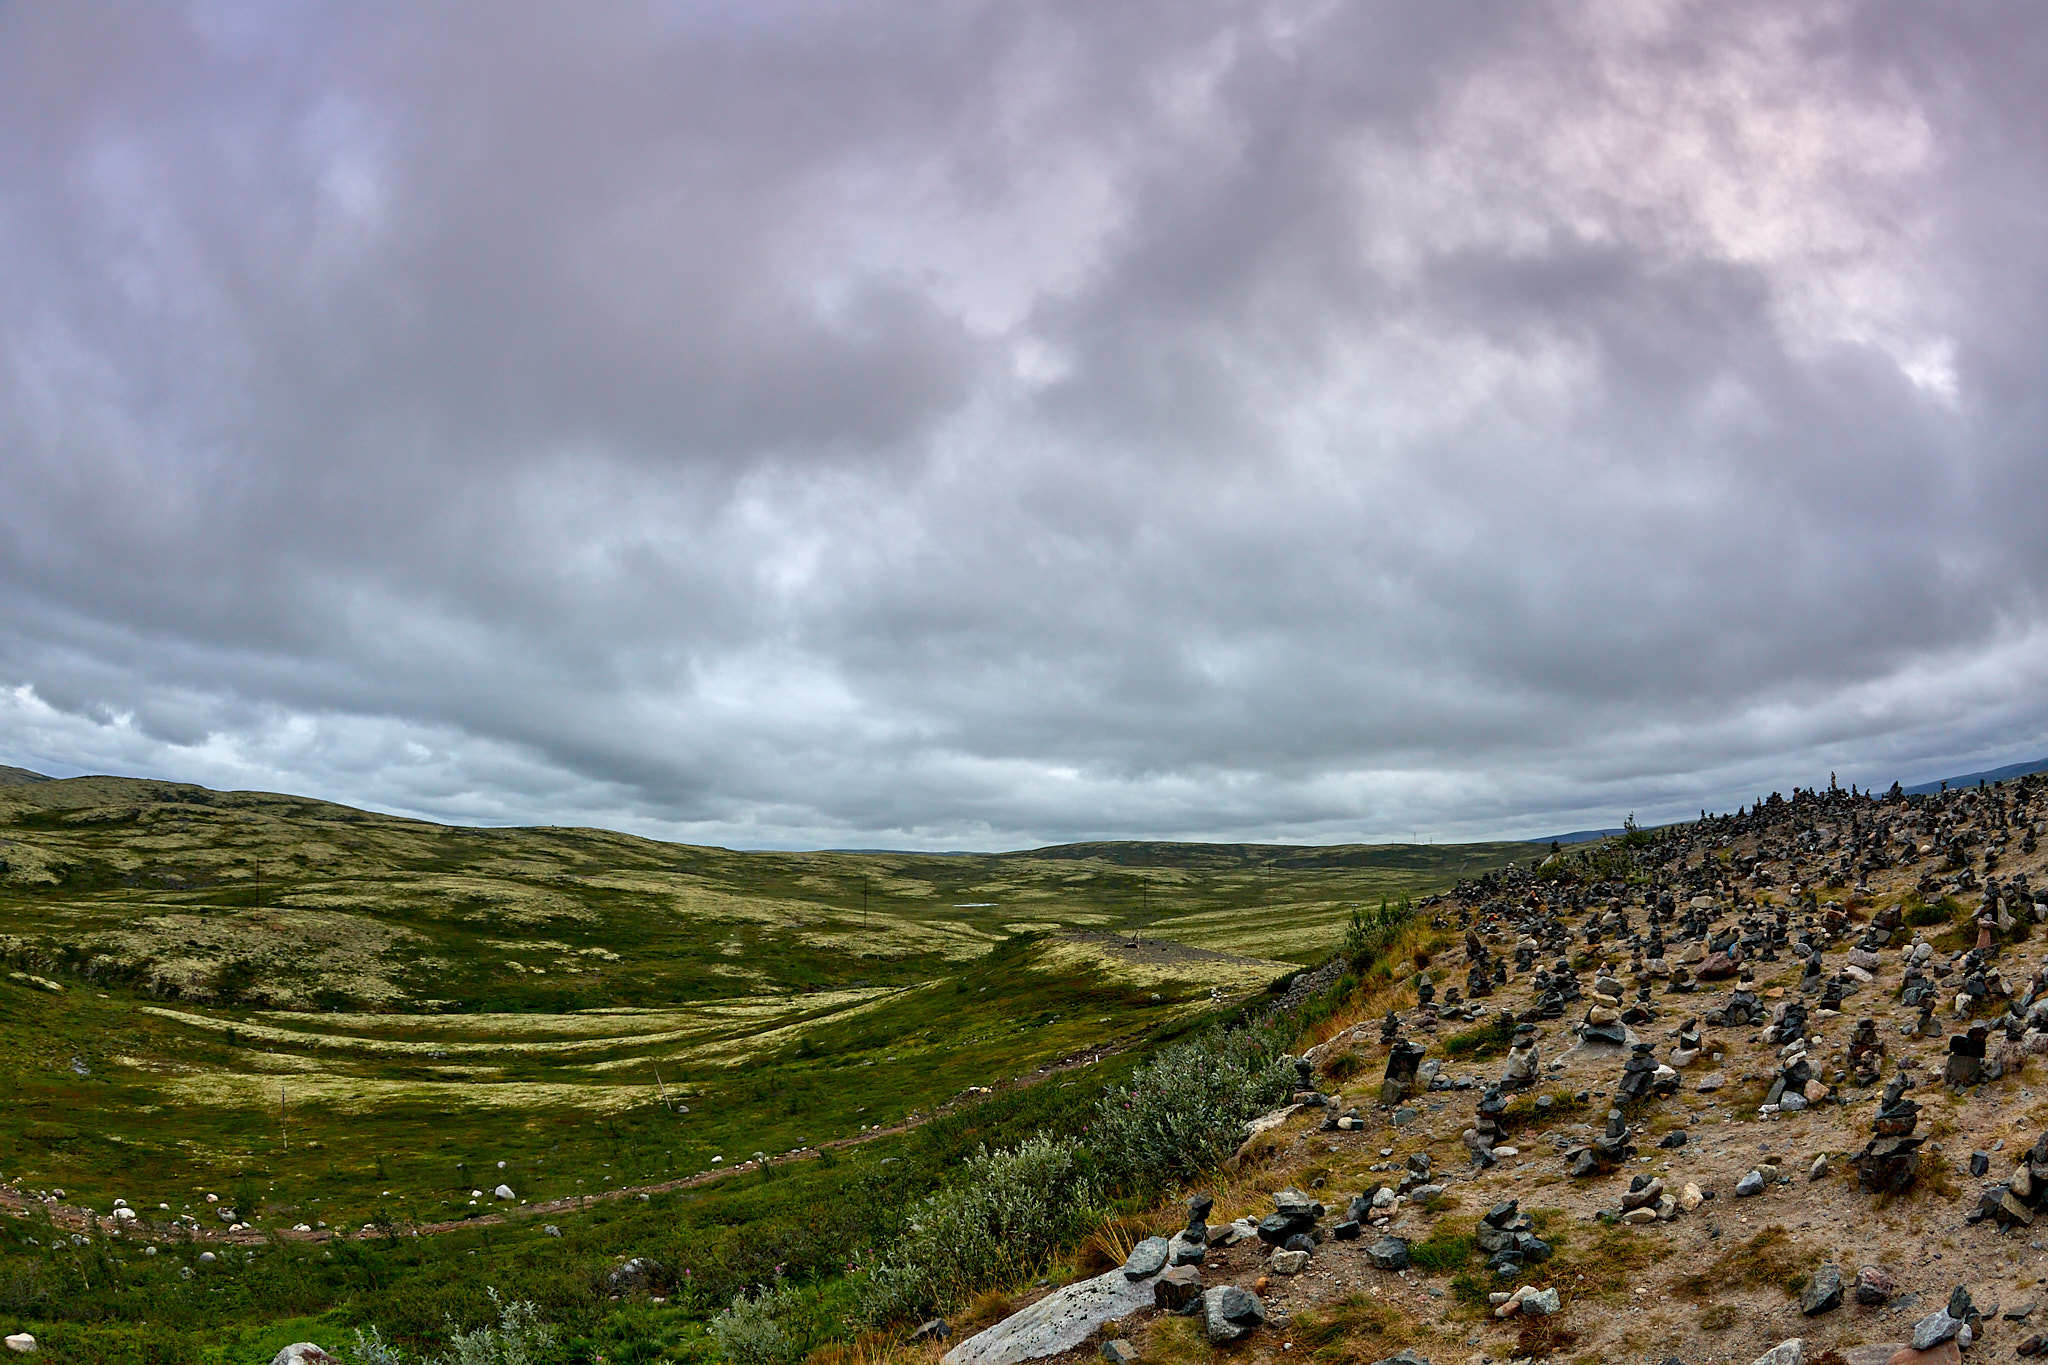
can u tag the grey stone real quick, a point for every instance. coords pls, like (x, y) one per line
(1119, 1352)
(1542, 1303)
(1288, 1262)
(1230, 1314)
(1934, 1329)
(1177, 1289)
(1388, 1253)
(1791, 1352)
(1751, 1184)
(1823, 1292)
(1147, 1259)
(1058, 1322)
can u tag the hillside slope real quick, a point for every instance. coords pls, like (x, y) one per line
(1781, 1080)
(254, 898)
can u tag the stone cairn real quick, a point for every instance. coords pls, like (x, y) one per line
(1485, 1133)
(1790, 1026)
(1508, 1237)
(1642, 1077)
(1196, 1233)
(1890, 1160)
(1425, 1001)
(1402, 1063)
(1966, 1064)
(1686, 1049)
(1604, 1152)
(1795, 1085)
(2020, 1199)
(1292, 1224)
(1741, 1009)
(1524, 1061)
(1602, 1023)
(1866, 1053)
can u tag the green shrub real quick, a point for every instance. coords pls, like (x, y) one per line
(1005, 1215)
(519, 1337)
(766, 1329)
(1182, 1114)
(1372, 932)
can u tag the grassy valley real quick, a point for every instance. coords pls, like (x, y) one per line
(335, 1019)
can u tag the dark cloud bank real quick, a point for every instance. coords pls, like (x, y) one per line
(976, 425)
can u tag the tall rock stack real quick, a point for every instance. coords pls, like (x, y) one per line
(1485, 1133)
(1866, 1053)
(1402, 1063)
(1642, 1077)
(1891, 1159)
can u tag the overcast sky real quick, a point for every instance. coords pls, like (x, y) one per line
(973, 425)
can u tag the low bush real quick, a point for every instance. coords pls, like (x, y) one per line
(768, 1328)
(1372, 932)
(1182, 1114)
(1006, 1214)
(518, 1337)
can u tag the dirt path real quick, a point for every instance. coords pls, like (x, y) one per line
(73, 1218)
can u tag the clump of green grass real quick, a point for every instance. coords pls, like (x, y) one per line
(1524, 1113)
(1444, 1251)
(1489, 1039)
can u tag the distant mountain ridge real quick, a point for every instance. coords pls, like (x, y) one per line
(2004, 774)
(20, 777)
(2008, 772)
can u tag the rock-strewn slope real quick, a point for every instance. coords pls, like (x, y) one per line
(1762, 1086)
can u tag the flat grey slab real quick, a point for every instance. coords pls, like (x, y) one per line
(1058, 1322)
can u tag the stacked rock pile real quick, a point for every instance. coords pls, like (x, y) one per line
(1890, 1160)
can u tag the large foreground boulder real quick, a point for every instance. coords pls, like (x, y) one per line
(1058, 1322)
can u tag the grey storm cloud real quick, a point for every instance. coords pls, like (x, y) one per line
(975, 425)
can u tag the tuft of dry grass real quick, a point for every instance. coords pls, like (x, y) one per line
(988, 1307)
(876, 1348)
(1543, 1337)
(1718, 1317)
(1771, 1258)
(1108, 1246)
(1352, 1331)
